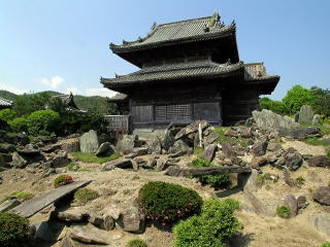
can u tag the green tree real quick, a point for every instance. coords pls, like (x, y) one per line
(320, 100)
(27, 103)
(43, 122)
(273, 105)
(296, 97)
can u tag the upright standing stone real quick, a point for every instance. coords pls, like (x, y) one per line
(316, 119)
(89, 142)
(306, 114)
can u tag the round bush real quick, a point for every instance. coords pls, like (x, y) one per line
(13, 230)
(283, 212)
(168, 202)
(213, 227)
(62, 180)
(326, 244)
(136, 243)
(19, 124)
(43, 121)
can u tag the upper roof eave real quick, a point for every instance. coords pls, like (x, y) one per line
(229, 30)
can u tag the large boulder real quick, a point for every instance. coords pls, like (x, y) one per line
(118, 163)
(322, 195)
(320, 222)
(319, 161)
(209, 152)
(192, 128)
(128, 142)
(60, 160)
(316, 119)
(131, 220)
(89, 234)
(260, 147)
(291, 159)
(89, 142)
(179, 146)
(291, 202)
(306, 114)
(18, 161)
(71, 146)
(105, 149)
(271, 121)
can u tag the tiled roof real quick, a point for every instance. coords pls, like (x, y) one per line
(201, 69)
(256, 71)
(181, 31)
(5, 102)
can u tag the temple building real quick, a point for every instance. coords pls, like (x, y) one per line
(4, 103)
(188, 70)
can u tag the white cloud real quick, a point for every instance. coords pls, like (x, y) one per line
(72, 90)
(53, 82)
(99, 92)
(15, 90)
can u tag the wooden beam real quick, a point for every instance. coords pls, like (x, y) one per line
(191, 172)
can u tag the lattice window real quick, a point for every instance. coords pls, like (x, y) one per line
(173, 112)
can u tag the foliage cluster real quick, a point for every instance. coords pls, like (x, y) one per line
(283, 212)
(216, 181)
(29, 115)
(62, 180)
(213, 227)
(166, 203)
(136, 243)
(20, 195)
(298, 96)
(91, 158)
(84, 195)
(13, 230)
(326, 244)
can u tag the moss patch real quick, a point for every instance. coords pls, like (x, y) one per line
(91, 158)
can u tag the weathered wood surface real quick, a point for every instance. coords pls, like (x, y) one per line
(180, 172)
(31, 207)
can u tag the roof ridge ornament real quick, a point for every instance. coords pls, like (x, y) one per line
(154, 25)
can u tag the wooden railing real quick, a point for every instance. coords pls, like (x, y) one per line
(119, 122)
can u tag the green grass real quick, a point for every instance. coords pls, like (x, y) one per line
(91, 158)
(316, 142)
(324, 130)
(226, 139)
(84, 195)
(198, 151)
(20, 195)
(283, 212)
(72, 166)
(136, 243)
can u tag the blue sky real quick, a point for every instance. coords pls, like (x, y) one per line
(62, 45)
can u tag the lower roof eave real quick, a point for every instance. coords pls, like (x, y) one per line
(265, 85)
(123, 86)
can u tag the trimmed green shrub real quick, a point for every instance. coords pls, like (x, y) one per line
(19, 124)
(136, 243)
(213, 227)
(62, 180)
(283, 212)
(43, 122)
(13, 230)
(216, 181)
(166, 202)
(273, 105)
(84, 195)
(7, 115)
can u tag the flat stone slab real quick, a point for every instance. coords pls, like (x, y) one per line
(33, 206)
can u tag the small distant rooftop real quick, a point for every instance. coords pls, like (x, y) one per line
(4, 103)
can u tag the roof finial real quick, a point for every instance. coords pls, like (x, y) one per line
(154, 24)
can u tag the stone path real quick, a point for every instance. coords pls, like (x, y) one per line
(31, 207)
